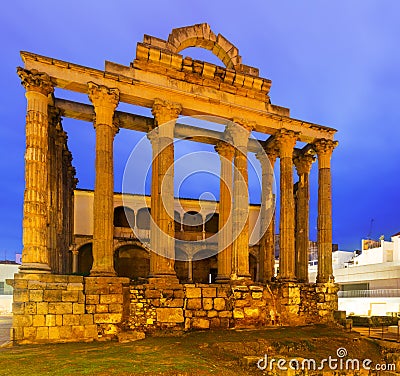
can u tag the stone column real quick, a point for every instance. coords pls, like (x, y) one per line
(324, 149)
(225, 151)
(75, 258)
(286, 140)
(105, 101)
(239, 132)
(267, 242)
(162, 235)
(303, 166)
(35, 255)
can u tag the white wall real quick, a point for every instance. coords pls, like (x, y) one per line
(369, 306)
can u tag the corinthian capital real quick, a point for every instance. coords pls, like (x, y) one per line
(286, 140)
(102, 96)
(165, 111)
(324, 146)
(303, 163)
(32, 80)
(239, 131)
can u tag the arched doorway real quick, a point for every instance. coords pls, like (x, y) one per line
(85, 259)
(205, 266)
(124, 217)
(143, 219)
(132, 261)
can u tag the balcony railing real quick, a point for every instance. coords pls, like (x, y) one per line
(379, 293)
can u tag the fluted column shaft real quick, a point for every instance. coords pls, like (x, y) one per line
(35, 255)
(105, 101)
(267, 242)
(303, 166)
(225, 152)
(286, 141)
(162, 259)
(324, 149)
(239, 131)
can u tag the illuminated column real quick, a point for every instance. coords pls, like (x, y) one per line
(286, 141)
(75, 258)
(239, 134)
(225, 151)
(324, 149)
(105, 101)
(35, 255)
(303, 166)
(267, 242)
(162, 259)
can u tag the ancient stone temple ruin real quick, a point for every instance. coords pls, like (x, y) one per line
(137, 269)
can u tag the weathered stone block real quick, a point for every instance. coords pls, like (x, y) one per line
(78, 331)
(30, 308)
(42, 308)
(38, 320)
(22, 320)
(65, 332)
(242, 303)
(108, 318)
(86, 319)
(251, 312)
(92, 299)
(71, 319)
(219, 304)
(207, 303)
(212, 313)
(209, 292)
(59, 320)
(256, 295)
(199, 313)
(101, 308)
(52, 295)
(18, 308)
(152, 294)
(56, 286)
(116, 288)
(42, 333)
(90, 308)
(215, 322)
(193, 304)
(179, 294)
(36, 285)
(111, 298)
(126, 337)
(78, 309)
(30, 333)
(50, 320)
(35, 295)
(20, 296)
(54, 333)
(173, 315)
(193, 292)
(116, 308)
(69, 296)
(173, 303)
(60, 308)
(75, 287)
(238, 313)
(225, 314)
(200, 323)
(91, 331)
(20, 284)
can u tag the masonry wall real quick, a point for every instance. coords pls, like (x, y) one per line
(61, 308)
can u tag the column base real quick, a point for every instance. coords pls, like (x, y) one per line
(165, 279)
(102, 273)
(287, 279)
(34, 268)
(222, 279)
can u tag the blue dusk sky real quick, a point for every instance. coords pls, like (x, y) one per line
(333, 63)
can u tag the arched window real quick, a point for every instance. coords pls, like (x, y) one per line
(143, 219)
(85, 259)
(124, 217)
(211, 224)
(192, 221)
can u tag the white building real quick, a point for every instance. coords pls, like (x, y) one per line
(370, 281)
(7, 271)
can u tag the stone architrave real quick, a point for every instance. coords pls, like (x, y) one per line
(239, 132)
(267, 242)
(286, 140)
(35, 254)
(226, 152)
(303, 166)
(105, 101)
(324, 149)
(162, 259)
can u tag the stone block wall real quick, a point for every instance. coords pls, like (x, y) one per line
(62, 308)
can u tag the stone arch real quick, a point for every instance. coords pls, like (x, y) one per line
(85, 259)
(143, 218)
(132, 261)
(201, 35)
(124, 217)
(192, 221)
